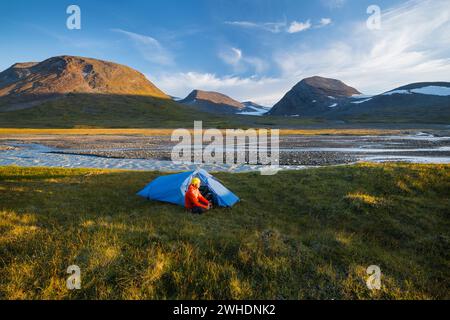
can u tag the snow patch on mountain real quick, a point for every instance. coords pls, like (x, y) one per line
(430, 90)
(390, 93)
(361, 101)
(256, 111)
(361, 96)
(433, 90)
(251, 113)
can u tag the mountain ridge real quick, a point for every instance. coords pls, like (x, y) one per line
(414, 101)
(213, 102)
(311, 96)
(91, 86)
(62, 75)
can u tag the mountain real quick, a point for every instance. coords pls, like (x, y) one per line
(253, 109)
(175, 98)
(316, 97)
(69, 91)
(212, 102)
(72, 92)
(419, 102)
(313, 96)
(35, 82)
(251, 106)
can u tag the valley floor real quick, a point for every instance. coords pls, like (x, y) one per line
(296, 235)
(151, 149)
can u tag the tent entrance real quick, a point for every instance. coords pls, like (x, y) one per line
(209, 195)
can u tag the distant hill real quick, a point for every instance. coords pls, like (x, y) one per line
(25, 85)
(330, 99)
(71, 91)
(419, 102)
(253, 109)
(313, 96)
(212, 102)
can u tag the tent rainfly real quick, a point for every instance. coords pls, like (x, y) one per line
(172, 188)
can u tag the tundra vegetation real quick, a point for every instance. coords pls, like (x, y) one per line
(296, 235)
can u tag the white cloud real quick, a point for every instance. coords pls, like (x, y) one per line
(299, 26)
(278, 27)
(412, 46)
(231, 56)
(324, 22)
(274, 27)
(240, 63)
(149, 48)
(258, 64)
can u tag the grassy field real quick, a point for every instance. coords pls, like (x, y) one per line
(297, 235)
(107, 111)
(90, 111)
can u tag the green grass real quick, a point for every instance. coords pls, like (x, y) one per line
(119, 111)
(297, 235)
(108, 111)
(408, 113)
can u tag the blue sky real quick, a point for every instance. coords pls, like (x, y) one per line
(250, 49)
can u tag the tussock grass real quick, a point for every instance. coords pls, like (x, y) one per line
(296, 235)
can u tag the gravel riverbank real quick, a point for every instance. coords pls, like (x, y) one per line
(294, 149)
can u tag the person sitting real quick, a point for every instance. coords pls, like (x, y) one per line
(194, 201)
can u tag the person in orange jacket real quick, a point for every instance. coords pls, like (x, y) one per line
(194, 200)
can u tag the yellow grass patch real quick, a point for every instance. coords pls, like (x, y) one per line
(19, 276)
(239, 289)
(14, 226)
(344, 238)
(363, 198)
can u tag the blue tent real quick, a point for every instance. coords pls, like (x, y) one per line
(172, 188)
